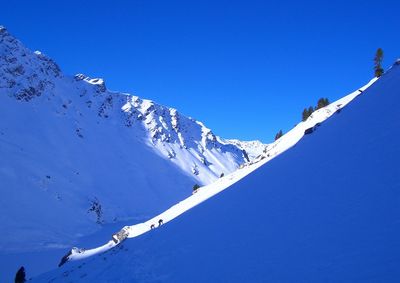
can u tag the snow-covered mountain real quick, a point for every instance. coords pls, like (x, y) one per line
(75, 155)
(326, 210)
(252, 148)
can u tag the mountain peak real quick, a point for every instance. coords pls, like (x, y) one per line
(3, 29)
(98, 83)
(184, 141)
(24, 74)
(101, 155)
(7, 38)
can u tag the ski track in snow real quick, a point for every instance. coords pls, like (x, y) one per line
(206, 192)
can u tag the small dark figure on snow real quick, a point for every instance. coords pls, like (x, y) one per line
(20, 276)
(65, 258)
(152, 226)
(160, 222)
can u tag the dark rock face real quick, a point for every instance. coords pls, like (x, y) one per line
(24, 74)
(309, 131)
(27, 94)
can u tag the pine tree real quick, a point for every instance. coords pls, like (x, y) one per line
(20, 276)
(304, 115)
(377, 62)
(279, 135)
(310, 111)
(322, 102)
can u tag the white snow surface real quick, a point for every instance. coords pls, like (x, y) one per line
(75, 156)
(324, 211)
(278, 147)
(253, 148)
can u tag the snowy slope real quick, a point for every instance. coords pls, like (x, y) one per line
(204, 193)
(327, 210)
(252, 148)
(26, 76)
(185, 141)
(75, 156)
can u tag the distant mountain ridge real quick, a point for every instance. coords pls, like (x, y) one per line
(28, 75)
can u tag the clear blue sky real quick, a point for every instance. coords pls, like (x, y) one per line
(244, 68)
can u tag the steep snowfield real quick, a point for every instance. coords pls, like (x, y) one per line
(268, 153)
(75, 156)
(186, 142)
(253, 148)
(327, 210)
